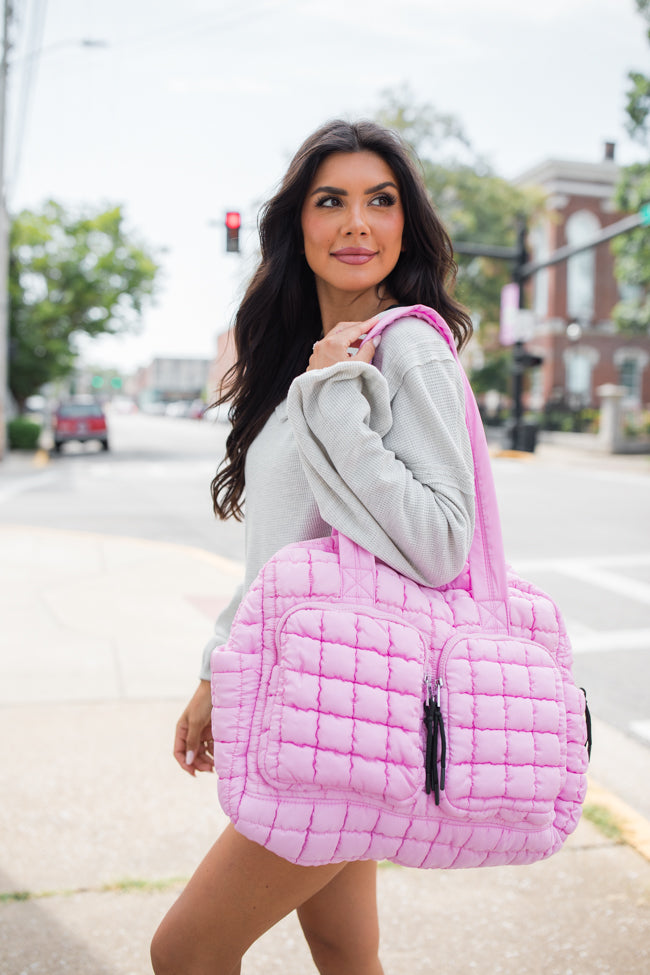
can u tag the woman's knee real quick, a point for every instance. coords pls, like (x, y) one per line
(172, 954)
(160, 954)
(333, 959)
(357, 954)
(168, 953)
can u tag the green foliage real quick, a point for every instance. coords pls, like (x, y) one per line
(493, 374)
(475, 205)
(69, 275)
(632, 250)
(604, 820)
(638, 106)
(23, 434)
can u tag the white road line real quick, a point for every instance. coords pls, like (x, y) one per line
(621, 585)
(641, 729)
(572, 566)
(595, 573)
(610, 641)
(22, 484)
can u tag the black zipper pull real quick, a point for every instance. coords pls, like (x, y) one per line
(439, 737)
(436, 741)
(429, 706)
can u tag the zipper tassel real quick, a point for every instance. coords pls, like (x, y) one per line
(428, 723)
(439, 735)
(436, 740)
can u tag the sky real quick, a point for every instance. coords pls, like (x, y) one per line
(185, 111)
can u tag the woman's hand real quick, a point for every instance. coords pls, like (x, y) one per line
(338, 343)
(193, 742)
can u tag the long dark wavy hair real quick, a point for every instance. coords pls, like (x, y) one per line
(279, 318)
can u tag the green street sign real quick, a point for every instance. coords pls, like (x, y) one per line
(644, 214)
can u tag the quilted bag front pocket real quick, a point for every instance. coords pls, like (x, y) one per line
(345, 704)
(503, 708)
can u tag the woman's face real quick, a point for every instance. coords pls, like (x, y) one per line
(352, 223)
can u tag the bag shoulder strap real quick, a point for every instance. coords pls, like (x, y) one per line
(486, 557)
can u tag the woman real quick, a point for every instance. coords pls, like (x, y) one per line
(349, 234)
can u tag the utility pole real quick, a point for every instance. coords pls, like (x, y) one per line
(4, 234)
(523, 269)
(518, 353)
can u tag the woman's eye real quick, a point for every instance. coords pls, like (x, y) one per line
(383, 200)
(328, 201)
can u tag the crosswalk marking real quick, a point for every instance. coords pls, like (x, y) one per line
(641, 729)
(606, 641)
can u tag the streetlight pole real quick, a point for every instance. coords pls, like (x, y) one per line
(4, 234)
(7, 13)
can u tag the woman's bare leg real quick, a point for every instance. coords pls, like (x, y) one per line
(341, 925)
(238, 892)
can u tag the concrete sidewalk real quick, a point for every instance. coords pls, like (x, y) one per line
(99, 828)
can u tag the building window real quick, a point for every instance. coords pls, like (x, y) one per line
(629, 378)
(540, 249)
(631, 363)
(581, 268)
(578, 366)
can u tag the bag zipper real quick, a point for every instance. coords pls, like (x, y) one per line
(434, 779)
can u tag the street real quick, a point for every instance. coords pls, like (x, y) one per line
(577, 527)
(113, 569)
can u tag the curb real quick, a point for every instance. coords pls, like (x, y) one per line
(634, 828)
(512, 454)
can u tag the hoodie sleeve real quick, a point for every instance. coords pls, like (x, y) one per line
(387, 454)
(221, 631)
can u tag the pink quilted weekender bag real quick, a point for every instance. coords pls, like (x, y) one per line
(358, 715)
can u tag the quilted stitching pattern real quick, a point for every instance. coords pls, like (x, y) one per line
(487, 817)
(506, 725)
(344, 708)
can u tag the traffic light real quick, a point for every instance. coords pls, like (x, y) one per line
(644, 215)
(521, 359)
(233, 223)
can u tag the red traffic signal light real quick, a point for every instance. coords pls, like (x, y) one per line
(233, 223)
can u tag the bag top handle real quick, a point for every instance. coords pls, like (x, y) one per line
(486, 558)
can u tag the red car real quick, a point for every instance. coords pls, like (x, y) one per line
(79, 420)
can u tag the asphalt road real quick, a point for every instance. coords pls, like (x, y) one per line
(579, 530)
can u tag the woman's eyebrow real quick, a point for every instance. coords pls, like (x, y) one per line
(339, 192)
(381, 186)
(329, 189)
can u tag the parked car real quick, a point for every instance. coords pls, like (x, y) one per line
(81, 420)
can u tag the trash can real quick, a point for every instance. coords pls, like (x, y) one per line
(527, 439)
(522, 437)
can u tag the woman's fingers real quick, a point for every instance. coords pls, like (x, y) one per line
(341, 343)
(193, 738)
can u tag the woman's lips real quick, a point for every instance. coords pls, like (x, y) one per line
(354, 255)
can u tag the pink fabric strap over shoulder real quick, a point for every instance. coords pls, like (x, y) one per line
(486, 558)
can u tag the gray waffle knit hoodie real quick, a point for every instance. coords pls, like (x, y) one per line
(379, 451)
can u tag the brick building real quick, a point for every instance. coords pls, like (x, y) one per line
(573, 300)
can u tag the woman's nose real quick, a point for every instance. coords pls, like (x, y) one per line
(355, 222)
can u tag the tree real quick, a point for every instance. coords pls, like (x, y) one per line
(69, 275)
(632, 250)
(475, 205)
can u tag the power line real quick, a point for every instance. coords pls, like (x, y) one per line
(202, 25)
(27, 83)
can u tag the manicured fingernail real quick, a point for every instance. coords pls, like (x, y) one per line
(376, 340)
(189, 758)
